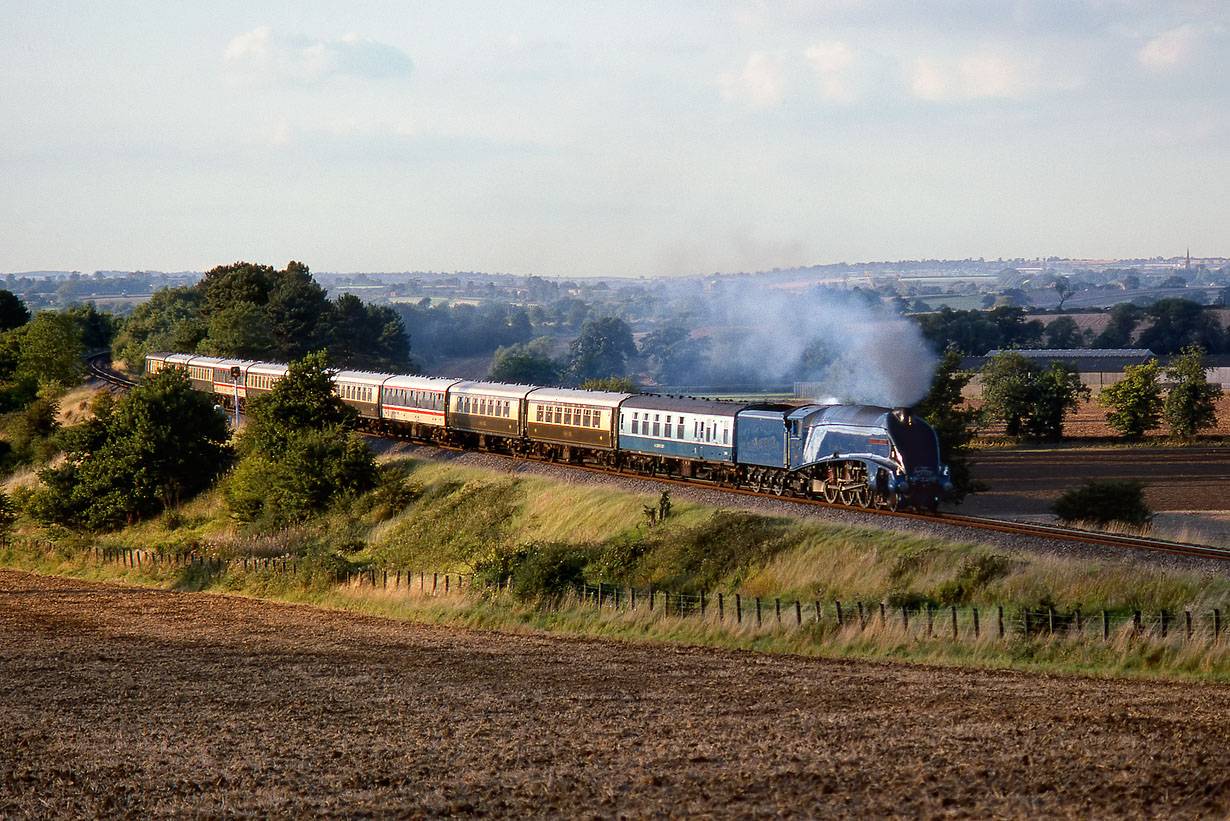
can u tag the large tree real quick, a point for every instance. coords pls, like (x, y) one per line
(1030, 400)
(1191, 403)
(1178, 323)
(300, 451)
(1135, 401)
(160, 443)
(602, 349)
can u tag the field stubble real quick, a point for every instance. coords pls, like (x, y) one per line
(123, 701)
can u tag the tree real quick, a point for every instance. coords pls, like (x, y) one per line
(304, 399)
(1118, 332)
(602, 349)
(954, 423)
(160, 443)
(1007, 381)
(525, 364)
(677, 358)
(1030, 400)
(1191, 403)
(13, 312)
(169, 321)
(1178, 323)
(297, 310)
(300, 452)
(1135, 401)
(1056, 390)
(51, 350)
(1064, 289)
(238, 330)
(1063, 332)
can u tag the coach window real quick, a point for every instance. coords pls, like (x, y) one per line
(679, 429)
(657, 424)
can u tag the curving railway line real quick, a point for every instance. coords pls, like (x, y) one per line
(97, 365)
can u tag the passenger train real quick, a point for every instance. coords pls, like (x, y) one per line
(857, 455)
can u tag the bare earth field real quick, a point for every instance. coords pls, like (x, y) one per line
(128, 702)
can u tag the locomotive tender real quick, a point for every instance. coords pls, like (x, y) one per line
(857, 455)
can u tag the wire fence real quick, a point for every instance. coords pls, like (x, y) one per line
(955, 622)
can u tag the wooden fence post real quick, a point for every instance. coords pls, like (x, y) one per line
(975, 622)
(738, 609)
(1050, 617)
(930, 619)
(905, 618)
(777, 604)
(1105, 625)
(1187, 615)
(1136, 622)
(819, 612)
(1165, 623)
(881, 614)
(954, 622)
(1216, 625)
(1001, 621)
(757, 611)
(798, 614)
(721, 608)
(840, 621)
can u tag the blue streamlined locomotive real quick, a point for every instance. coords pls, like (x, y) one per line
(858, 455)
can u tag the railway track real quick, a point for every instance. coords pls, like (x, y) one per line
(98, 369)
(97, 366)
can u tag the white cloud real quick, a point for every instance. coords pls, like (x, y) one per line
(263, 54)
(981, 75)
(1172, 48)
(834, 64)
(761, 82)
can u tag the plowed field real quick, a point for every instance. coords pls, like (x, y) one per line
(125, 702)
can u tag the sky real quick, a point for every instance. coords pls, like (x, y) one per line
(609, 138)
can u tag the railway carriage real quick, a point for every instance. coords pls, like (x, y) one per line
(487, 409)
(361, 390)
(415, 403)
(571, 422)
(261, 377)
(230, 380)
(677, 435)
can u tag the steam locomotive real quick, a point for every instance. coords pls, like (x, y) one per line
(856, 455)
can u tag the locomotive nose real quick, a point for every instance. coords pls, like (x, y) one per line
(903, 415)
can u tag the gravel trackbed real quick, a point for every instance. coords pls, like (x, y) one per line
(124, 702)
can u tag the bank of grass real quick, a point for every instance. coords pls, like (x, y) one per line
(540, 537)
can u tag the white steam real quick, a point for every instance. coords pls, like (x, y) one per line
(846, 344)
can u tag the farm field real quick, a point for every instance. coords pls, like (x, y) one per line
(125, 701)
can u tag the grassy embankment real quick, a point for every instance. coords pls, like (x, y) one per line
(442, 518)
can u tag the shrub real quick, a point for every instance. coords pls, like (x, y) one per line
(1103, 501)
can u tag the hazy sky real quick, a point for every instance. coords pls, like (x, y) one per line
(577, 138)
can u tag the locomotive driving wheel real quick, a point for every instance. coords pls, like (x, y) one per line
(830, 492)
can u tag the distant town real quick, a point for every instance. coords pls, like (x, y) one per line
(912, 286)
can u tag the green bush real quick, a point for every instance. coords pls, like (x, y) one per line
(1104, 501)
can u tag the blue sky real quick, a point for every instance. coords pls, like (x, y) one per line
(600, 139)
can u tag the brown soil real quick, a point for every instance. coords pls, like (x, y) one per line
(125, 702)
